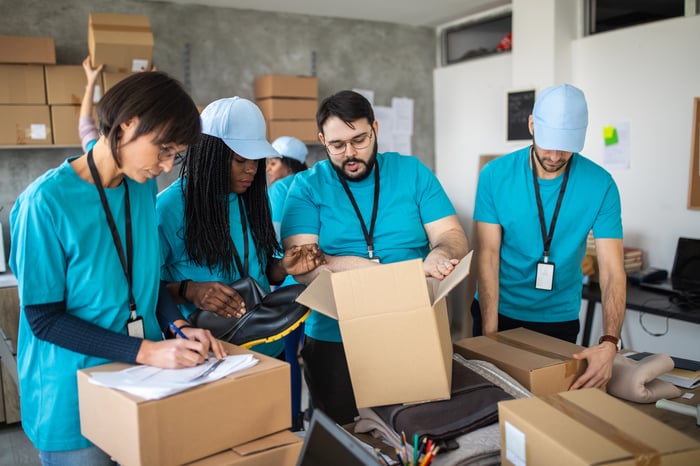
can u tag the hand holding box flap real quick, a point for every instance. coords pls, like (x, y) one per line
(440, 288)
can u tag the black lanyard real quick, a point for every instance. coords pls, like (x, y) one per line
(547, 239)
(127, 260)
(368, 234)
(242, 268)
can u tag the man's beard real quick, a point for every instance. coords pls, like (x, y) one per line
(360, 175)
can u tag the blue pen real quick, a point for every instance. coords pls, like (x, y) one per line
(177, 331)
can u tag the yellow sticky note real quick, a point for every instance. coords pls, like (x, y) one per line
(608, 132)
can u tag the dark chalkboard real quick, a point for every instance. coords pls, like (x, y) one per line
(519, 109)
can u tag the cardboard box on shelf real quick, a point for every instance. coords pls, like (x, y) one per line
(271, 85)
(25, 49)
(395, 329)
(65, 84)
(587, 427)
(22, 85)
(120, 42)
(541, 363)
(288, 109)
(64, 122)
(25, 125)
(241, 407)
(305, 130)
(280, 449)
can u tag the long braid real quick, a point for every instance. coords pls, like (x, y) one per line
(207, 169)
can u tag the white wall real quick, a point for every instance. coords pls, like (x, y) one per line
(645, 75)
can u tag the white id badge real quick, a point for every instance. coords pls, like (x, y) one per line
(134, 328)
(545, 276)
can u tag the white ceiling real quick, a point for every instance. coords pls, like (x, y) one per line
(411, 12)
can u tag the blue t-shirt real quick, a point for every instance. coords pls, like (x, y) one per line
(177, 265)
(62, 249)
(506, 196)
(410, 196)
(277, 193)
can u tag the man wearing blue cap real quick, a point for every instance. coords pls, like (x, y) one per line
(534, 208)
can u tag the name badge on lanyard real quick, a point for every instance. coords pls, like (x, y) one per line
(544, 276)
(134, 327)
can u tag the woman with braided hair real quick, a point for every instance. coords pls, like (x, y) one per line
(214, 221)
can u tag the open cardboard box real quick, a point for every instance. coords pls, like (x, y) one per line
(189, 425)
(588, 427)
(395, 329)
(543, 364)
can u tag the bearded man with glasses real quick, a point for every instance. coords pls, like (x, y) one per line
(362, 208)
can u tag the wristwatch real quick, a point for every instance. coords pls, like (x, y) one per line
(614, 340)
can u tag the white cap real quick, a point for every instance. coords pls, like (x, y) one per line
(291, 147)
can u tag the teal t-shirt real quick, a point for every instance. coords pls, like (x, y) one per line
(410, 196)
(62, 249)
(506, 196)
(176, 264)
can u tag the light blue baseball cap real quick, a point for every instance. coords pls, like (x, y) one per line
(240, 124)
(560, 116)
(291, 147)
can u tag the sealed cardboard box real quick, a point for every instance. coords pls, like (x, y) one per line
(25, 125)
(110, 79)
(305, 130)
(541, 363)
(271, 85)
(22, 49)
(120, 42)
(64, 123)
(588, 427)
(395, 329)
(280, 449)
(288, 109)
(189, 425)
(22, 84)
(65, 84)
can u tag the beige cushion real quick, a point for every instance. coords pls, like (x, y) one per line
(636, 380)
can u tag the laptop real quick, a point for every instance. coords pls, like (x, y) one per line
(326, 443)
(685, 274)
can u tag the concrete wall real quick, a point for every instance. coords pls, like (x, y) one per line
(227, 49)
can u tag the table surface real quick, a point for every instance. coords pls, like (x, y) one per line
(651, 302)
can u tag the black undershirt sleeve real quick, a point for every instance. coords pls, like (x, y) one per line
(51, 323)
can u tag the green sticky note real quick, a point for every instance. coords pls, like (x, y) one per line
(610, 135)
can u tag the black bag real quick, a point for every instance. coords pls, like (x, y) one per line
(473, 404)
(268, 317)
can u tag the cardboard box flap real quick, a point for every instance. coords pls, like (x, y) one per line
(267, 443)
(439, 289)
(318, 295)
(114, 22)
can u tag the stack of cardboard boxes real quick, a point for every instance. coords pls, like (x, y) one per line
(289, 105)
(242, 419)
(558, 426)
(40, 101)
(24, 114)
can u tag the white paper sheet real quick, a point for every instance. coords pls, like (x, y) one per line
(153, 383)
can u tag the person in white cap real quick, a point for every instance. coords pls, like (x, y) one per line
(280, 174)
(214, 221)
(533, 211)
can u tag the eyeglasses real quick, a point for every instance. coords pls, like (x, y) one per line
(359, 142)
(167, 153)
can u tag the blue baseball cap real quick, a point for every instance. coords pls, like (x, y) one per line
(291, 147)
(560, 116)
(240, 124)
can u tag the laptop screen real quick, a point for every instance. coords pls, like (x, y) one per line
(328, 444)
(685, 275)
